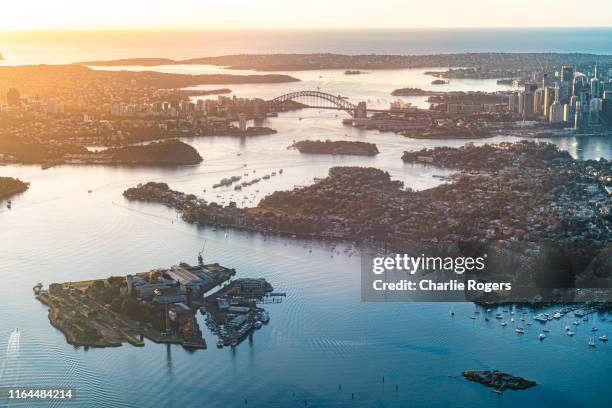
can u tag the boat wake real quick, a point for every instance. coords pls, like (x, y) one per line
(10, 364)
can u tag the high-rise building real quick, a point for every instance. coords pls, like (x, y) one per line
(556, 112)
(550, 95)
(578, 116)
(242, 122)
(594, 108)
(580, 84)
(538, 101)
(567, 74)
(13, 97)
(567, 113)
(595, 88)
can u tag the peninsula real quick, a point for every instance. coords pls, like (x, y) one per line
(520, 198)
(335, 147)
(482, 65)
(540, 187)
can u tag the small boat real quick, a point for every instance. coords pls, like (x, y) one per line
(557, 315)
(591, 342)
(594, 329)
(542, 336)
(512, 320)
(473, 317)
(451, 311)
(567, 328)
(265, 317)
(576, 322)
(603, 338)
(219, 343)
(520, 330)
(545, 330)
(496, 391)
(257, 325)
(234, 343)
(570, 333)
(504, 323)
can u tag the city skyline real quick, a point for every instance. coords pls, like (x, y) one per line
(276, 14)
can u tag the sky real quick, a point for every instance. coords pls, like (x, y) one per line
(300, 14)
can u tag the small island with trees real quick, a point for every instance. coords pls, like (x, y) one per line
(335, 147)
(10, 186)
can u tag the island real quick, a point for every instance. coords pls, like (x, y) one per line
(413, 92)
(335, 147)
(10, 186)
(498, 380)
(159, 305)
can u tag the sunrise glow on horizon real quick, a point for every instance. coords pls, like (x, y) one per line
(274, 14)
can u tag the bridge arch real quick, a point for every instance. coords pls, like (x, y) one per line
(316, 99)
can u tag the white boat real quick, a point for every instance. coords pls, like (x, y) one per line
(570, 333)
(557, 315)
(592, 342)
(265, 317)
(603, 338)
(520, 330)
(512, 320)
(504, 323)
(257, 325)
(576, 322)
(594, 329)
(219, 343)
(567, 328)
(542, 336)
(451, 311)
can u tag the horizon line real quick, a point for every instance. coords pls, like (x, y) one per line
(238, 29)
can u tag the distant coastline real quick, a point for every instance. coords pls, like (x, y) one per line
(355, 63)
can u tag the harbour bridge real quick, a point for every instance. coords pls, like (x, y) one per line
(320, 100)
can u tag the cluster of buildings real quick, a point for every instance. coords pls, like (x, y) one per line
(178, 284)
(568, 98)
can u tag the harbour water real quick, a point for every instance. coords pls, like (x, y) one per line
(322, 345)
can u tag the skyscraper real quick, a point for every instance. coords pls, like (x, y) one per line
(567, 74)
